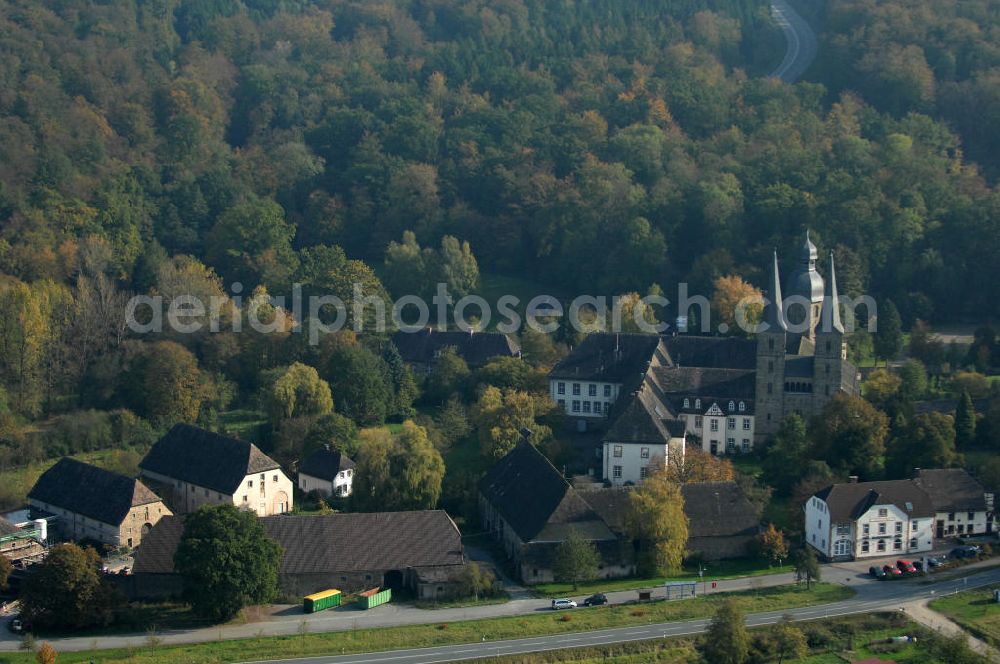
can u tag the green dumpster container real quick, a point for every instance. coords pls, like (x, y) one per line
(321, 601)
(369, 599)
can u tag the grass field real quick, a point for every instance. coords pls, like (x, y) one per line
(974, 610)
(369, 640)
(715, 571)
(839, 641)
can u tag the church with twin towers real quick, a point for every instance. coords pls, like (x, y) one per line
(652, 395)
(801, 346)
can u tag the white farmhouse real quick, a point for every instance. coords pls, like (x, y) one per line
(870, 520)
(328, 471)
(191, 467)
(961, 505)
(644, 433)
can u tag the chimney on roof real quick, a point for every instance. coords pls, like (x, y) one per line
(853, 479)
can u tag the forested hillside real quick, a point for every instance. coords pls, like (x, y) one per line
(603, 144)
(940, 57)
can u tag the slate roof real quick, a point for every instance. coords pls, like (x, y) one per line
(847, 502)
(707, 383)
(325, 464)
(91, 491)
(713, 509)
(596, 359)
(476, 349)
(611, 504)
(644, 420)
(332, 543)
(718, 509)
(536, 501)
(206, 459)
(952, 490)
(712, 352)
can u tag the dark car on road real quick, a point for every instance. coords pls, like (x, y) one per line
(596, 600)
(934, 562)
(877, 572)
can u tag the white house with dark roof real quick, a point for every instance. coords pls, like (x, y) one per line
(961, 505)
(193, 467)
(328, 471)
(645, 432)
(860, 520)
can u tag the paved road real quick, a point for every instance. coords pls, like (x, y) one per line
(802, 45)
(872, 596)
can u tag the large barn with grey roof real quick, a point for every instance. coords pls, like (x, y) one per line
(530, 508)
(418, 553)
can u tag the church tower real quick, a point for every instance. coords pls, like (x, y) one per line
(804, 293)
(771, 340)
(831, 350)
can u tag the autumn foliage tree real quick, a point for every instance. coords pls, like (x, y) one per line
(771, 545)
(737, 305)
(294, 391)
(397, 472)
(500, 416)
(697, 465)
(656, 519)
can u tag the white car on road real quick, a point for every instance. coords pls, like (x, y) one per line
(563, 604)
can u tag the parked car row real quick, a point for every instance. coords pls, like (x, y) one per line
(909, 568)
(594, 600)
(900, 569)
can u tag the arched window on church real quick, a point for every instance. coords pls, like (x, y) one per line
(828, 345)
(770, 344)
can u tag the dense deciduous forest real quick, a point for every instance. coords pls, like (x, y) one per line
(599, 144)
(939, 58)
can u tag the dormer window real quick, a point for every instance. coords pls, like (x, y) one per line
(687, 403)
(743, 406)
(697, 403)
(732, 405)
